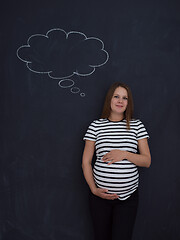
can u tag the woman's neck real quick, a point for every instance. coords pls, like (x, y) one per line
(116, 117)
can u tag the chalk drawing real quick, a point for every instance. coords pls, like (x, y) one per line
(62, 55)
(66, 83)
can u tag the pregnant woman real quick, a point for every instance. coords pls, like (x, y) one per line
(121, 147)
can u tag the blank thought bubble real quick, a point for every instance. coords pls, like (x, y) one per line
(62, 55)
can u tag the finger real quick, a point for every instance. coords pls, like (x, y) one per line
(107, 197)
(106, 155)
(108, 159)
(102, 190)
(111, 161)
(113, 195)
(116, 196)
(110, 196)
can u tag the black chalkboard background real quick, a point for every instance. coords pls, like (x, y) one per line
(43, 195)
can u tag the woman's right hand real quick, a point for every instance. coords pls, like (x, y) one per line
(103, 193)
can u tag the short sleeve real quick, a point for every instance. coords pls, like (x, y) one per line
(91, 132)
(141, 131)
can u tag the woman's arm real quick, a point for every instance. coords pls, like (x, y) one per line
(86, 164)
(88, 174)
(143, 159)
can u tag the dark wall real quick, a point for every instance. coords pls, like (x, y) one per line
(43, 194)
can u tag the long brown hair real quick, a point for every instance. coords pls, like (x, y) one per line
(128, 114)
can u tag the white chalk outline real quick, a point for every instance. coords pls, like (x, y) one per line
(82, 94)
(75, 92)
(67, 34)
(72, 84)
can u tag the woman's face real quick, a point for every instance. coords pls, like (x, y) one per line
(119, 101)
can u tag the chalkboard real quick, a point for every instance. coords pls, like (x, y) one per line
(58, 59)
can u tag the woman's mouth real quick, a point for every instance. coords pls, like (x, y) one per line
(119, 106)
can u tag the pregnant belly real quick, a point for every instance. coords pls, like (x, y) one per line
(120, 178)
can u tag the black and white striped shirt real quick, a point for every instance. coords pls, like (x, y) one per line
(120, 177)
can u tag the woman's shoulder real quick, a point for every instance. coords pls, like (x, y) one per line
(100, 121)
(135, 121)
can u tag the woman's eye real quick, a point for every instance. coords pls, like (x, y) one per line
(124, 98)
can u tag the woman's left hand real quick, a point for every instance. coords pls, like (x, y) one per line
(114, 156)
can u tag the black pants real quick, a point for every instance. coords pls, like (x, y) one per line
(113, 219)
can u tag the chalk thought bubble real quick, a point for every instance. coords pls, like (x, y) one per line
(62, 55)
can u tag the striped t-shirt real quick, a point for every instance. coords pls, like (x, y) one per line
(121, 177)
